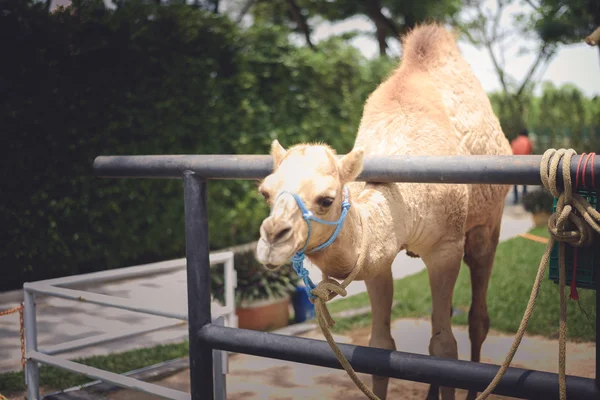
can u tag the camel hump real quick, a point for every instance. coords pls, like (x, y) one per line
(428, 45)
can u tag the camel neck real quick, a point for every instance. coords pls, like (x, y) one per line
(339, 259)
(370, 218)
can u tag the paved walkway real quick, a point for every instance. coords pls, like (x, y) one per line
(64, 320)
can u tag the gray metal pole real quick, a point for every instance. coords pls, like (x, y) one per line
(31, 366)
(517, 382)
(597, 324)
(198, 283)
(102, 299)
(505, 170)
(220, 360)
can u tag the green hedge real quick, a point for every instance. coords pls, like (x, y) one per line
(560, 117)
(147, 79)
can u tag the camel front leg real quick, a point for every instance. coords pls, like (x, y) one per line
(443, 265)
(381, 293)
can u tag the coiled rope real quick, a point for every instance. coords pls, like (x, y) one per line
(564, 227)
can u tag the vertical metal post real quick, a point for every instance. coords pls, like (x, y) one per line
(597, 325)
(230, 285)
(198, 283)
(30, 326)
(221, 368)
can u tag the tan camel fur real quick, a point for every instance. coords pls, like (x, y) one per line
(432, 104)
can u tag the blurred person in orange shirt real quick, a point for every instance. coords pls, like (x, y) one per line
(521, 146)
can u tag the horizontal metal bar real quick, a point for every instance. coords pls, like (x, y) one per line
(132, 272)
(516, 382)
(100, 299)
(107, 337)
(119, 380)
(173, 166)
(117, 273)
(148, 373)
(426, 169)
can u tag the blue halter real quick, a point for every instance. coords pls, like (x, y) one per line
(298, 257)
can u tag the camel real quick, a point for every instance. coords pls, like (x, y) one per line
(432, 105)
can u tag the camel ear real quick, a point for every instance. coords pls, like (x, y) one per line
(351, 165)
(277, 152)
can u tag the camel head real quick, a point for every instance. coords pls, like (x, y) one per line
(317, 176)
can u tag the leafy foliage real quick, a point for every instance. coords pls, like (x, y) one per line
(391, 18)
(563, 117)
(576, 20)
(546, 24)
(560, 117)
(85, 81)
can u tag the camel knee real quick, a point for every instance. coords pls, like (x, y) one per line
(382, 342)
(381, 334)
(479, 324)
(443, 344)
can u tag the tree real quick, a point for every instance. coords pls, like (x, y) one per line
(209, 5)
(561, 117)
(150, 79)
(574, 21)
(289, 13)
(482, 28)
(391, 18)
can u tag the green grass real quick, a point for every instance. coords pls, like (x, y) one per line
(55, 378)
(517, 262)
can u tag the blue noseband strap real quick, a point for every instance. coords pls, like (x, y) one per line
(298, 257)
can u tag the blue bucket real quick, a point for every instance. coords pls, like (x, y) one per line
(303, 308)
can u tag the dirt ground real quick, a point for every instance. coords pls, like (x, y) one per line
(260, 378)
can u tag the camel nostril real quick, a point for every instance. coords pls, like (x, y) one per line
(282, 234)
(274, 231)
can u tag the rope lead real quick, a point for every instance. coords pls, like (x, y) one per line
(564, 227)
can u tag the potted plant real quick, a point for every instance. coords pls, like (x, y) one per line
(262, 296)
(539, 203)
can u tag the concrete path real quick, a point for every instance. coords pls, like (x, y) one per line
(64, 320)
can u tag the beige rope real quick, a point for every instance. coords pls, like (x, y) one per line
(326, 290)
(564, 227)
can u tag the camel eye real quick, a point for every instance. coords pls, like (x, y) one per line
(325, 201)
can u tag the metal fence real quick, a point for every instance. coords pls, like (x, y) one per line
(222, 315)
(206, 336)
